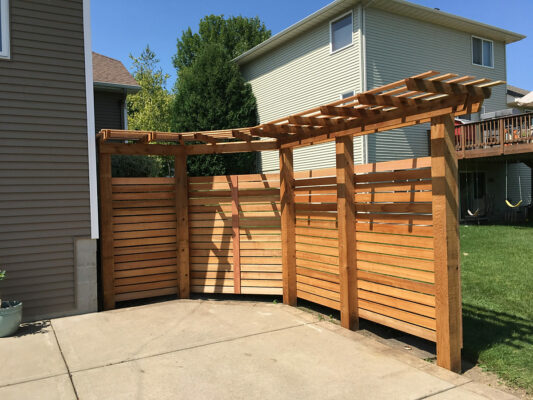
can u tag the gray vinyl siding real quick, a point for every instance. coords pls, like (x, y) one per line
(397, 47)
(44, 192)
(108, 110)
(300, 75)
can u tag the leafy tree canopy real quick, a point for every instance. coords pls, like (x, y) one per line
(235, 34)
(210, 92)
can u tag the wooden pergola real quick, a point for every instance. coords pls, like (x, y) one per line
(430, 97)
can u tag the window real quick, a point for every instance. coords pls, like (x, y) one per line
(341, 32)
(482, 52)
(4, 28)
(347, 94)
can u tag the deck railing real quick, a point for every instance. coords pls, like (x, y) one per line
(494, 135)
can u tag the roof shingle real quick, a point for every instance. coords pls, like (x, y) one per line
(111, 71)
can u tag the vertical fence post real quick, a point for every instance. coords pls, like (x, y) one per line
(236, 234)
(444, 173)
(105, 191)
(346, 232)
(288, 221)
(182, 220)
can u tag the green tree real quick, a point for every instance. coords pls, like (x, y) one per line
(148, 110)
(210, 92)
(235, 34)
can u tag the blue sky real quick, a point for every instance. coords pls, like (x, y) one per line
(121, 27)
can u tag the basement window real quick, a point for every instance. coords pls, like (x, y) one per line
(4, 28)
(482, 52)
(340, 32)
(345, 95)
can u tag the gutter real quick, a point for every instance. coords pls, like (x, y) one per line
(108, 85)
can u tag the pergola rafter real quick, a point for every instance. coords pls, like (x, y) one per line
(406, 102)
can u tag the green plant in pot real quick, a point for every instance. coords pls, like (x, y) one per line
(10, 313)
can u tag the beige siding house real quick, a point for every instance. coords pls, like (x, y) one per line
(390, 39)
(48, 208)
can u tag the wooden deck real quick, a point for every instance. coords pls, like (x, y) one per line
(496, 137)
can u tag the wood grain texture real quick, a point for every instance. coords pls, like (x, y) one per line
(444, 172)
(288, 219)
(236, 236)
(182, 220)
(346, 231)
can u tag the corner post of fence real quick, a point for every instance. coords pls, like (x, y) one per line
(444, 174)
(346, 232)
(106, 229)
(236, 234)
(288, 230)
(182, 222)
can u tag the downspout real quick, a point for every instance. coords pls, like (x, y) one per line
(91, 134)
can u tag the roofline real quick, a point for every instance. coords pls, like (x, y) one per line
(108, 85)
(272, 41)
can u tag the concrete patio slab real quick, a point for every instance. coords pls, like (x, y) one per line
(32, 354)
(98, 339)
(54, 388)
(217, 350)
(305, 362)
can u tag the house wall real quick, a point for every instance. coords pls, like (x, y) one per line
(44, 187)
(397, 47)
(108, 110)
(300, 75)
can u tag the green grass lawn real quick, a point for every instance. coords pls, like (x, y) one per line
(497, 282)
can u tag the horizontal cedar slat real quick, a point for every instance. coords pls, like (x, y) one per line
(315, 173)
(401, 304)
(145, 271)
(143, 196)
(145, 279)
(410, 186)
(399, 272)
(316, 249)
(418, 264)
(212, 274)
(142, 181)
(319, 283)
(145, 286)
(316, 232)
(395, 282)
(146, 294)
(397, 324)
(395, 313)
(144, 218)
(119, 204)
(144, 226)
(395, 250)
(326, 276)
(145, 255)
(143, 211)
(412, 219)
(408, 295)
(144, 241)
(416, 230)
(318, 266)
(332, 260)
(144, 234)
(328, 294)
(160, 262)
(412, 163)
(397, 197)
(317, 240)
(315, 223)
(402, 240)
(335, 304)
(423, 208)
(143, 249)
(212, 289)
(262, 290)
(142, 188)
(262, 283)
(423, 173)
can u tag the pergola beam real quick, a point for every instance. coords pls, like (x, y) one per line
(423, 85)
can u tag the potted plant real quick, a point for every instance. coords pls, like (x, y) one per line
(10, 314)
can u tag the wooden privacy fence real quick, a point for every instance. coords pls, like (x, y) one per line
(235, 244)
(378, 241)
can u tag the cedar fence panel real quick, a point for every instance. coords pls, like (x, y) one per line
(235, 239)
(144, 237)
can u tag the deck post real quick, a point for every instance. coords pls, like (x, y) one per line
(236, 234)
(346, 232)
(288, 221)
(105, 191)
(444, 174)
(182, 220)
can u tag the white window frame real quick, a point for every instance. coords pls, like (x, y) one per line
(4, 25)
(348, 91)
(472, 51)
(331, 51)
